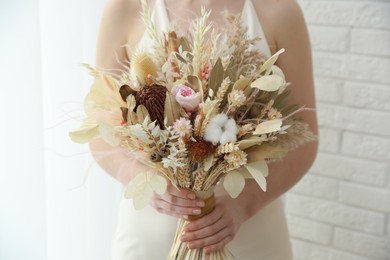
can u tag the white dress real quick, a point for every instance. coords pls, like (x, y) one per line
(148, 235)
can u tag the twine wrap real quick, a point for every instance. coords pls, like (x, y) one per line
(209, 200)
(180, 251)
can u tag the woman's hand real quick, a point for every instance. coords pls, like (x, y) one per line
(177, 202)
(213, 231)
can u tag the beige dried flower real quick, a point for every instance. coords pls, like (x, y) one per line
(273, 113)
(243, 130)
(227, 148)
(236, 159)
(236, 98)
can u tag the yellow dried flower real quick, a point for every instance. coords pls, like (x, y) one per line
(143, 67)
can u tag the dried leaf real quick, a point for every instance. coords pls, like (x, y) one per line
(208, 163)
(195, 83)
(86, 132)
(251, 141)
(180, 58)
(234, 183)
(268, 127)
(125, 91)
(268, 83)
(139, 190)
(142, 113)
(231, 71)
(158, 184)
(172, 109)
(131, 115)
(266, 67)
(216, 76)
(243, 84)
(265, 151)
(185, 44)
(109, 135)
(281, 100)
(259, 170)
(125, 112)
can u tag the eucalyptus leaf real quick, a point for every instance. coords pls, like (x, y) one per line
(268, 83)
(268, 127)
(267, 66)
(259, 170)
(158, 183)
(234, 183)
(251, 141)
(86, 132)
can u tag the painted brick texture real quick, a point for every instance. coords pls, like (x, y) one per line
(341, 208)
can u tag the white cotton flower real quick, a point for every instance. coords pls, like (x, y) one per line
(221, 130)
(220, 120)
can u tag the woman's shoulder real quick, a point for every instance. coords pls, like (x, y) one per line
(121, 9)
(281, 17)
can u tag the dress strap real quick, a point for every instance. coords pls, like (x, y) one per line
(250, 18)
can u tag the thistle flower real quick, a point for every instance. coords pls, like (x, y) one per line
(182, 126)
(221, 130)
(236, 98)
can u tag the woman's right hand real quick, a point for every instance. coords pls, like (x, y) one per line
(176, 202)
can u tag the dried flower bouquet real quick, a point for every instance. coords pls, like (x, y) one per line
(199, 109)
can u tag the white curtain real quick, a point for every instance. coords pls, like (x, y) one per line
(55, 203)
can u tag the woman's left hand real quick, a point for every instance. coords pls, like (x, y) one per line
(213, 231)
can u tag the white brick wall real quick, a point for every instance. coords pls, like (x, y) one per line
(341, 208)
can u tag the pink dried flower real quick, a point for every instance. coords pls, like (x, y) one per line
(182, 126)
(205, 73)
(187, 97)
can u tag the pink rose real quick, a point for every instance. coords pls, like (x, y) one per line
(186, 97)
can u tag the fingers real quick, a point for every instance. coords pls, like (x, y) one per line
(218, 246)
(204, 232)
(177, 202)
(203, 222)
(216, 241)
(171, 208)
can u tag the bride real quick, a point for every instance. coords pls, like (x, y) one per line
(253, 226)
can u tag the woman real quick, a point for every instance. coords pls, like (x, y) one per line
(253, 225)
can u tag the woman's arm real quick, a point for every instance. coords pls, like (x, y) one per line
(120, 25)
(117, 17)
(215, 230)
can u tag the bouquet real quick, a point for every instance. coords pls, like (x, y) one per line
(199, 109)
